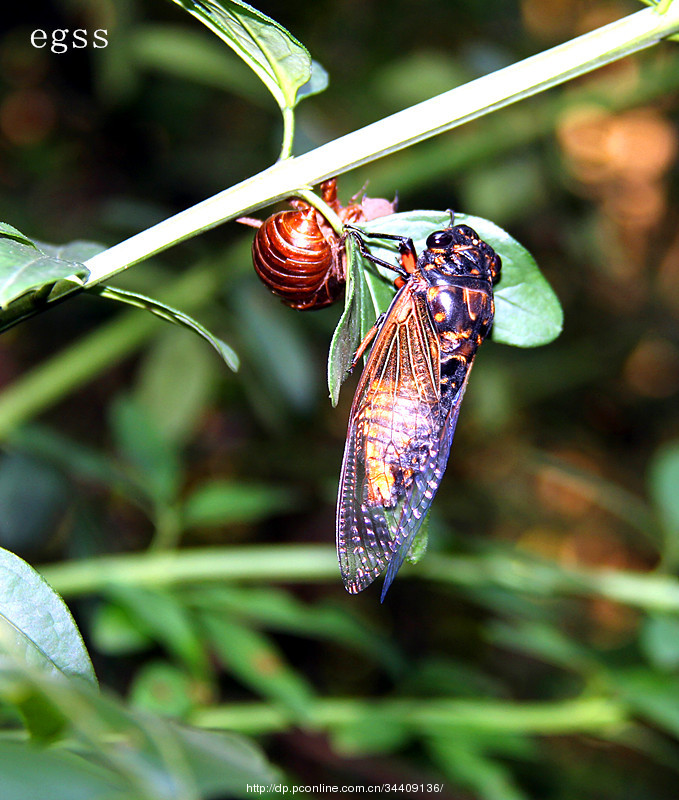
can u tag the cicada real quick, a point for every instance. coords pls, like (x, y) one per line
(408, 399)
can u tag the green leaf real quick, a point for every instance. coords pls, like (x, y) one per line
(150, 757)
(527, 312)
(175, 383)
(374, 731)
(34, 497)
(254, 659)
(74, 458)
(224, 502)
(652, 695)
(659, 639)
(278, 610)
(465, 763)
(663, 481)
(223, 764)
(280, 61)
(114, 632)
(26, 266)
(155, 463)
(285, 369)
(439, 676)
(163, 618)
(35, 622)
(13, 233)
(78, 250)
(43, 722)
(544, 642)
(163, 689)
(170, 315)
(367, 296)
(317, 83)
(30, 771)
(194, 55)
(419, 546)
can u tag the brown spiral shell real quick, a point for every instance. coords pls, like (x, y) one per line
(299, 256)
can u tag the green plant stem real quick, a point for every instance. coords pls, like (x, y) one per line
(288, 132)
(299, 562)
(53, 379)
(591, 714)
(516, 82)
(507, 131)
(168, 528)
(296, 563)
(314, 200)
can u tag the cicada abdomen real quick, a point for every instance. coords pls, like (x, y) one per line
(299, 256)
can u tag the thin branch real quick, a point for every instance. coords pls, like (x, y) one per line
(579, 715)
(305, 563)
(453, 108)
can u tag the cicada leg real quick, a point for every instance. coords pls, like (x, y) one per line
(405, 246)
(367, 339)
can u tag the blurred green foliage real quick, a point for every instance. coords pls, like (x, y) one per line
(534, 654)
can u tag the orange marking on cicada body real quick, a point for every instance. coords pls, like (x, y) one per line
(409, 262)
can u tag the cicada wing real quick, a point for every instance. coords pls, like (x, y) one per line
(425, 485)
(393, 444)
(363, 542)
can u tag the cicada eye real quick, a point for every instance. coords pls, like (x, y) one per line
(439, 239)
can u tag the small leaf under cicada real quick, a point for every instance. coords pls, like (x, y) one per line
(368, 294)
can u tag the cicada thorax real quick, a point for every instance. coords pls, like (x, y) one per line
(298, 254)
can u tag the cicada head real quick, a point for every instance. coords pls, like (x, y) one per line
(464, 252)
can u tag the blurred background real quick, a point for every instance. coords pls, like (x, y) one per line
(508, 644)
